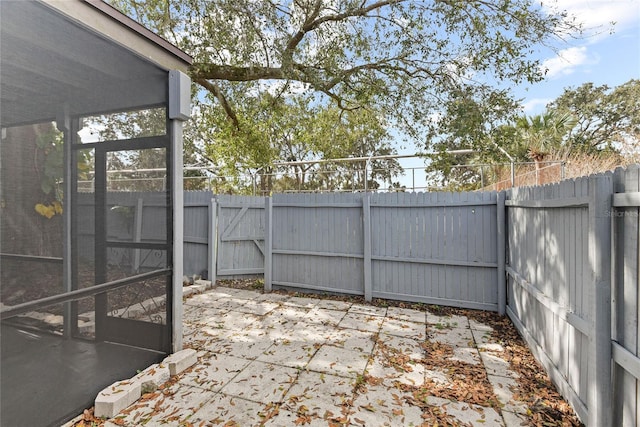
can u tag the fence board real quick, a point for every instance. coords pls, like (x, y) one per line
(196, 225)
(240, 236)
(540, 251)
(420, 246)
(626, 298)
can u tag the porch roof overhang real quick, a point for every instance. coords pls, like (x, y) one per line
(78, 57)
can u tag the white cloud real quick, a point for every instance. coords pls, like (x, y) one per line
(532, 105)
(597, 15)
(566, 61)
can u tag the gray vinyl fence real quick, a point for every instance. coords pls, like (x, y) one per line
(240, 235)
(131, 217)
(572, 289)
(625, 215)
(231, 224)
(437, 248)
(223, 235)
(199, 233)
(555, 262)
(561, 260)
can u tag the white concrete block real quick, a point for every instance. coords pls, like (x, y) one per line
(180, 361)
(207, 283)
(196, 289)
(158, 374)
(116, 397)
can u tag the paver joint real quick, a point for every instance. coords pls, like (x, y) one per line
(258, 359)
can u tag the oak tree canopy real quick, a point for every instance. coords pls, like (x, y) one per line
(404, 59)
(302, 80)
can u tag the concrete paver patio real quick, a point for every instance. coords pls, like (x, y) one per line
(283, 360)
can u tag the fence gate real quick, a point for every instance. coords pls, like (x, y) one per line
(240, 236)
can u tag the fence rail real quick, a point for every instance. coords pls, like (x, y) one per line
(439, 248)
(573, 289)
(549, 274)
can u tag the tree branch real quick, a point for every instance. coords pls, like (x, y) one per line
(232, 73)
(362, 11)
(217, 92)
(287, 54)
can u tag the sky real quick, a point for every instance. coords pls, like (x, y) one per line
(600, 56)
(605, 54)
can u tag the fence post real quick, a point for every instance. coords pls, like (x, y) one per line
(599, 398)
(212, 254)
(502, 237)
(366, 219)
(268, 243)
(513, 175)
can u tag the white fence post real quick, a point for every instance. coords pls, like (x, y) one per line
(502, 236)
(366, 219)
(268, 243)
(599, 398)
(211, 238)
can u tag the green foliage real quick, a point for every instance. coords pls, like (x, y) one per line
(591, 120)
(291, 129)
(50, 145)
(606, 118)
(469, 121)
(50, 170)
(403, 59)
(545, 133)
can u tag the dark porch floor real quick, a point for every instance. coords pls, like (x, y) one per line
(46, 380)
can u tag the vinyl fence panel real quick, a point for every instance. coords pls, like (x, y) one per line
(547, 252)
(240, 236)
(626, 309)
(437, 248)
(558, 286)
(318, 242)
(196, 224)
